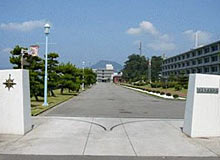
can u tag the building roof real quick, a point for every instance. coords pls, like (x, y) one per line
(194, 49)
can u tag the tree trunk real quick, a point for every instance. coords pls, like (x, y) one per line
(61, 90)
(36, 97)
(52, 93)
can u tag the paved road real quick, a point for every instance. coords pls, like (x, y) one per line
(40, 157)
(109, 100)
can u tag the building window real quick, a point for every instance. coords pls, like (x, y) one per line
(199, 52)
(179, 65)
(206, 60)
(199, 70)
(214, 58)
(193, 71)
(206, 69)
(193, 54)
(199, 61)
(193, 62)
(214, 48)
(179, 58)
(206, 50)
(214, 69)
(183, 56)
(187, 63)
(183, 64)
(187, 55)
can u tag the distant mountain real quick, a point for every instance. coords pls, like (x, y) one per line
(102, 64)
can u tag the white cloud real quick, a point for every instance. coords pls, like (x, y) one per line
(203, 36)
(6, 50)
(134, 31)
(159, 42)
(165, 37)
(144, 27)
(24, 26)
(148, 27)
(161, 46)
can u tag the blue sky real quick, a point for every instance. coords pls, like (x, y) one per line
(93, 30)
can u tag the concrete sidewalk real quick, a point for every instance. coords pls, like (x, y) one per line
(108, 136)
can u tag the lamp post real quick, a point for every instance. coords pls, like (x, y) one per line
(83, 85)
(46, 31)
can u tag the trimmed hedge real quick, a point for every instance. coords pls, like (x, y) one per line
(162, 93)
(175, 96)
(168, 94)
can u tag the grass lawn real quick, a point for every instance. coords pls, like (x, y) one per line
(37, 108)
(181, 93)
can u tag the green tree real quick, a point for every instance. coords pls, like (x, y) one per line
(156, 63)
(90, 76)
(135, 68)
(34, 65)
(182, 79)
(69, 77)
(53, 77)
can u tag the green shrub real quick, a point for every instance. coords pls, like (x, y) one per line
(178, 87)
(164, 86)
(185, 86)
(156, 85)
(171, 84)
(162, 93)
(175, 96)
(157, 91)
(168, 94)
(153, 85)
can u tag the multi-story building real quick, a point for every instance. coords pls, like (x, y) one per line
(203, 59)
(105, 74)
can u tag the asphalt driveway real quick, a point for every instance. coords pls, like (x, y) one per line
(110, 100)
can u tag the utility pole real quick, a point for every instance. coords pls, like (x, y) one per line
(83, 84)
(149, 70)
(140, 48)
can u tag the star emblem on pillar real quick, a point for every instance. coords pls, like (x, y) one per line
(9, 83)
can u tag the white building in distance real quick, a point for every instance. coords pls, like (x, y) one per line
(105, 74)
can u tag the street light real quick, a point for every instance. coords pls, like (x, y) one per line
(83, 85)
(46, 31)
